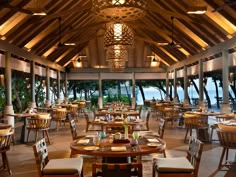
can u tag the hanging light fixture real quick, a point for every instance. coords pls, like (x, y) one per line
(118, 34)
(116, 66)
(117, 52)
(37, 8)
(119, 10)
(197, 8)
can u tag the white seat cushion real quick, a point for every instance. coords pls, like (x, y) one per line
(177, 164)
(63, 166)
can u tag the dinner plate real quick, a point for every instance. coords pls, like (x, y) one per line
(153, 144)
(91, 148)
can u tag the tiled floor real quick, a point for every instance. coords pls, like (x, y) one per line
(23, 165)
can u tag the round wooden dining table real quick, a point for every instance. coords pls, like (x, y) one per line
(109, 147)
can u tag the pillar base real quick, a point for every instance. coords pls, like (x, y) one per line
(32, 105)
(167, 98)
(225, 108)
(175, 100)
(47, 103)
(133, 104)
(100, 104)
(66, 100)
(58, 101)
(10, 119)
(186, 102)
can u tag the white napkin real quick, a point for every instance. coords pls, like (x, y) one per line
(152, 140)
(118, 148)
(83, 141)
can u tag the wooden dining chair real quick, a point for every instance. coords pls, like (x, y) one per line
(73, 111)
(73, 129)
(160, 134)
(40, 123)
(59, 116)
(197, 123)
(144, 126)
(133, 169)
(5, 142)
(180, 166)
(227, 140)
(55, 167)
(90, 123)
(219, 119)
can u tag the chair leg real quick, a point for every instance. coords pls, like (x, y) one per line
(153, 170)
(6, 163)
(36, 135)
(164, 153)
(186, 134)
(47, 136)
(28, 136)
(221, 158)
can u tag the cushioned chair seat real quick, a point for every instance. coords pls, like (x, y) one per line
(63, 166)
(178, 164)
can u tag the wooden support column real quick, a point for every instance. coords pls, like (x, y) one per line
(200, 77)
(167, 87)
(32, 72)
(65, 85)
(133, 103)
(8, 80)
(48, 102)
(100, 104)
(175, 85)
(186, 101)
(58, 86)
(225, 81)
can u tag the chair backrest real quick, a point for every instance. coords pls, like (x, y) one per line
(117, 169)
(73, 108)
(194, 121)
(5, 140)
(82, 104)
(73, 129)
(41, 155)
(227, 138)
(194, 153)
(161, 127)
(86, 117)
(59, 113)
(39, 123)
(111, 129)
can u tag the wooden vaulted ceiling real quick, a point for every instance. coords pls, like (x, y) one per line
(39, 34)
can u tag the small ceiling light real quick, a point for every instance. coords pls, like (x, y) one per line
(70, 43)
(154, 61)
(197, 7)
(37, 8)
(198, 10)
(77, 63)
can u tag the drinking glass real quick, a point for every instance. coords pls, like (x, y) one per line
(96, 140)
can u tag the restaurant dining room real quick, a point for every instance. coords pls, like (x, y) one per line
(131, 88)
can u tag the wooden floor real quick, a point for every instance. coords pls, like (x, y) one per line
(23, 165)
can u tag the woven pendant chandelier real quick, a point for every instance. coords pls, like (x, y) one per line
(118, 34)
(119, 10)
(117, 52)
(117, 66)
